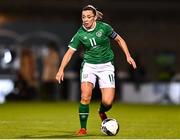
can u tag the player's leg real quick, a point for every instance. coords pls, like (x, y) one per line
(107, 86)
(88, 80)
(107, 100)
(86, 93)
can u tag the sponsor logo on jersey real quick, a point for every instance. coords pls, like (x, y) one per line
(99, 34)
(85, 37)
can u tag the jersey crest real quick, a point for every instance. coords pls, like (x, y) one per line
(99, 34)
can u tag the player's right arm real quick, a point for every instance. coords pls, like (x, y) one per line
(67, 57)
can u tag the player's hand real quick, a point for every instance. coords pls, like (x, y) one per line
(131, 61)
(60, 76)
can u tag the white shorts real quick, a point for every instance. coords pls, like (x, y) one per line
(104, 73)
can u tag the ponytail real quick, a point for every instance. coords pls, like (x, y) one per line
(99, 15)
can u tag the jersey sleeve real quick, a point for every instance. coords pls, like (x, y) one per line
(75, 42)
(110, 31)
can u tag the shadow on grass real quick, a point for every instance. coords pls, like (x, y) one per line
(65, 135)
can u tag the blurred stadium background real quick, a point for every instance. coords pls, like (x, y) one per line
(34, 36)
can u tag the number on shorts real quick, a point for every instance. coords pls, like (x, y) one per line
(111, 78)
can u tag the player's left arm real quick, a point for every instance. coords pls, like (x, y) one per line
(122, 44)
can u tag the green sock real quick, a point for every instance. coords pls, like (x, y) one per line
(83, 114)
(104, 108)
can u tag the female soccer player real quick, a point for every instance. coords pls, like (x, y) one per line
(94, 36)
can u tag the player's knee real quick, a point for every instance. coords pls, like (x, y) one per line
(107, 103)
(85, 99)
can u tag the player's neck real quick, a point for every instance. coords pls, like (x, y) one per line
(91, 28)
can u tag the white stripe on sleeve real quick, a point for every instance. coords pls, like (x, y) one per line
(72, 48)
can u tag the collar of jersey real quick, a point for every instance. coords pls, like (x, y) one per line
(89, 29)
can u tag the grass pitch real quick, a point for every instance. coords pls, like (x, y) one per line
(59, 120)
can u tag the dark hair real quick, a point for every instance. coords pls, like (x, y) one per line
(94, 10)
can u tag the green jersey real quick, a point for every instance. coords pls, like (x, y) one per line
(96, 43)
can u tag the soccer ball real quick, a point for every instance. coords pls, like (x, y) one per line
(110, 127)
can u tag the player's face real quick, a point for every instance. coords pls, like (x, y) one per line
(88, 19)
